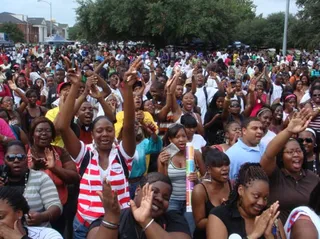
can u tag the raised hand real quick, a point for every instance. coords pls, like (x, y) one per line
(143, 214)
(131, 76)
(300, 121)
(12, 85)
(74, 78)
(110, 202)
(16, 233)
(252, 85)
(261, 224)
(50, 162)
(230, 90)
(94, 92)
(164, 157)
(274, 215)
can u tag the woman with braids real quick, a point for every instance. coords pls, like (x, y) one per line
(14, 207)
(285, 162)
(213, 190)
(245, 214)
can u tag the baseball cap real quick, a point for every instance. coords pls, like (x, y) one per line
(62, 85)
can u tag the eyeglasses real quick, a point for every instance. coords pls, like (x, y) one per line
(316, 95)
(291, 152)
(307, 140)
(13, 157)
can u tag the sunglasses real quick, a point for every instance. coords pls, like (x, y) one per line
(316, 95)
(13, 157)
(307, 140)
(234, 106)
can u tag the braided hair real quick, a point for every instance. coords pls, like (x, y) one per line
(248, 172)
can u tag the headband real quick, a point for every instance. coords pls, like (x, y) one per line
(290, 96)
(312, 132)
(264, 109)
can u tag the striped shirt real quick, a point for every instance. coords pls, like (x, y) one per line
(90, 206)
(178, 180)
(41, 193)
(315, 123)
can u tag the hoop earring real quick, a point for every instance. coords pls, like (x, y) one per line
(227, 141)
(315, 145)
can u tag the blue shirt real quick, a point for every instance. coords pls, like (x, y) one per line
(240, 153)
(145, 147)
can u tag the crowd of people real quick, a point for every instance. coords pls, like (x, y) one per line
(93, 144)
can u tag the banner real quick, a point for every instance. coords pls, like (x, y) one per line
(190, 168)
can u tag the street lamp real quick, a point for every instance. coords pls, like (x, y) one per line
(50, 4)
(285, 31)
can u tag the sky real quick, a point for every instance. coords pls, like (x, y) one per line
(63, 11)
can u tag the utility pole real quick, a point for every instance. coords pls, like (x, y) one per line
(285, 32)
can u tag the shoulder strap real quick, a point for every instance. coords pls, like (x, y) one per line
(84, 164)
(205, 95)
(205, 189)
(123, 162)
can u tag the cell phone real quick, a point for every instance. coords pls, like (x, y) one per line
(171, 149)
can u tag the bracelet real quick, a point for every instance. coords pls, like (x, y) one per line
(5, 138)
(146, 227)
(110, 225)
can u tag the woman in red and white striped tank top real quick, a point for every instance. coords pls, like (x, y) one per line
(104, 160)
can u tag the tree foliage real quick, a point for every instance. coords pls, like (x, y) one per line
(309, 17)
(14, 33)
(162, 21)
(266, 32)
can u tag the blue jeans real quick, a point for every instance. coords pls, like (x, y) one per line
(79, 230)
(180, 206)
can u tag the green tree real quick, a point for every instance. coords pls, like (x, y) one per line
(75, 32)
(162, 21)
(307, 28)
(267, 32)
(14, 33)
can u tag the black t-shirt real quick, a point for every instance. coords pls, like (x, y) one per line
(231, 218)
(172, 221)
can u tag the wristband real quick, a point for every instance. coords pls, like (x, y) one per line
(110, 225)
(146, 227)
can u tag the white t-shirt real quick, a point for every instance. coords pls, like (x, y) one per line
(198, 142)
(276, 93)
(267, 138)
(202, 102)
(34, 76)
(43, 233)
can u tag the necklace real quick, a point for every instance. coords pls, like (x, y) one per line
(21, 185)
(314, 165)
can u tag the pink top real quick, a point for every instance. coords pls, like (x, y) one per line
(5, 130)
(258, 105)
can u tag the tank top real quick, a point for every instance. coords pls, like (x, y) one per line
(199, 234)
(178, 180)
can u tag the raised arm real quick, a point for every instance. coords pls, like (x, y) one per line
(71, 141)
(251, 99)
(129, 138)
(298, 123)
(227, 100)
